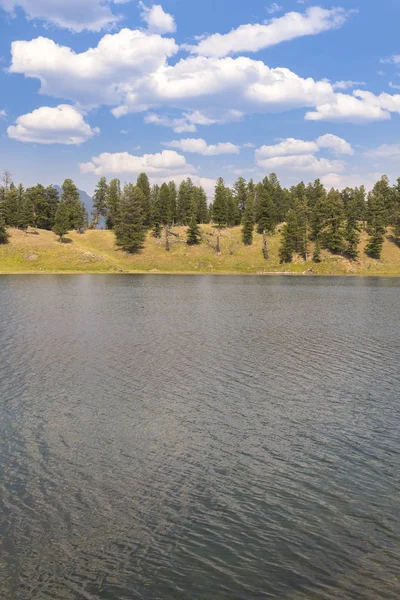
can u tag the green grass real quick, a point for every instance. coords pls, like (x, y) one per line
(95, 252)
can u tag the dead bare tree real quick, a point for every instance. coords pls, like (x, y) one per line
(265, 246)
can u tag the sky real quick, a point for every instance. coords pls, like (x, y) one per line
(202, 89)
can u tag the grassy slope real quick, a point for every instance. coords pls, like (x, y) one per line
(95, 252)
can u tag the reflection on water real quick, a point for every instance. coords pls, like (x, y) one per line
(199, 437)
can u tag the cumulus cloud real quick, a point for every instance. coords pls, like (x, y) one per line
(75, 15)
(252, 38)
(362, 107)
(306, 163)
(157, 20)
(101, 75)
(293, 147)
(200, 146)
(162, 163)
(60, 125)
(290, 146)
(335, 144)
(129, 71)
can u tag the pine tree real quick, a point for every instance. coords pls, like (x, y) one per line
(45, 202)
(10, 208)
(130, 231)
(193, 232)
(26, 216)
(232, 213)
(248, 222)
(219, 204)
(113, 202)
(352, 230)
(316, 196)
(164, 202)
(3, 231)
(333, 222)
(62, 220)
(266, 213)
(317, 251)
(99, 202)
(290, 234)
(70, 196)
(144, 184)
(173, 199)
(376, 224)
(240, 195)
(201, 204)
(185, 199)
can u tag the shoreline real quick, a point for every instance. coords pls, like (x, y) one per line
(204, 273)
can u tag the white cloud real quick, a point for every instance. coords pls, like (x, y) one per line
(391, 60)
(354, 109)
(274, 8)
(3, 114)
(394, 86)
(290, 146)
(251, 38)
(200, 146)
(346, 85)
(335, 144)
(306, 163)
(45, 125)
(76, 15)
(343, 180)
(385, 152)
(157, 20)
(162, 163)
(129, 71)
(101, 75)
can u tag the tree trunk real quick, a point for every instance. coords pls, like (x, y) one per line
(265, 246)
(166, 238)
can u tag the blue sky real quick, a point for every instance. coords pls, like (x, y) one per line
(206, 89)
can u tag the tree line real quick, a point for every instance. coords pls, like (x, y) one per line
(309, 217)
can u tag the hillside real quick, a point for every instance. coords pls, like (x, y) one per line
(94, 252)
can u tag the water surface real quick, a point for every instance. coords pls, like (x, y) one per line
(183, 437)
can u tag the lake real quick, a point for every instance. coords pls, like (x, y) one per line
(199, 437)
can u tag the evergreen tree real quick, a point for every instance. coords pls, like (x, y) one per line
(232, 213)
(26, 216)
(317, 251)
(219, 204)
(376, 224)
(3, 231)
(10, 207)
(316, 196)
(352, 230)
(185, 199)
(248, 221)
(113, 202)
(155, 211)
(45, 202)
(265, 213)
(164, 203)
(240, 195)
(70, 196)
(193, 232)
(173, 200)
(290, 234)
(333, 222)
(201, 205)
(130, 231)
(62, 220)
(99, 202)
(144, 184)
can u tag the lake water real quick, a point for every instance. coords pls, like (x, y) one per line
(178, 437)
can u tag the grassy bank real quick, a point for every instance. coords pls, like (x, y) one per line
(95, 252)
